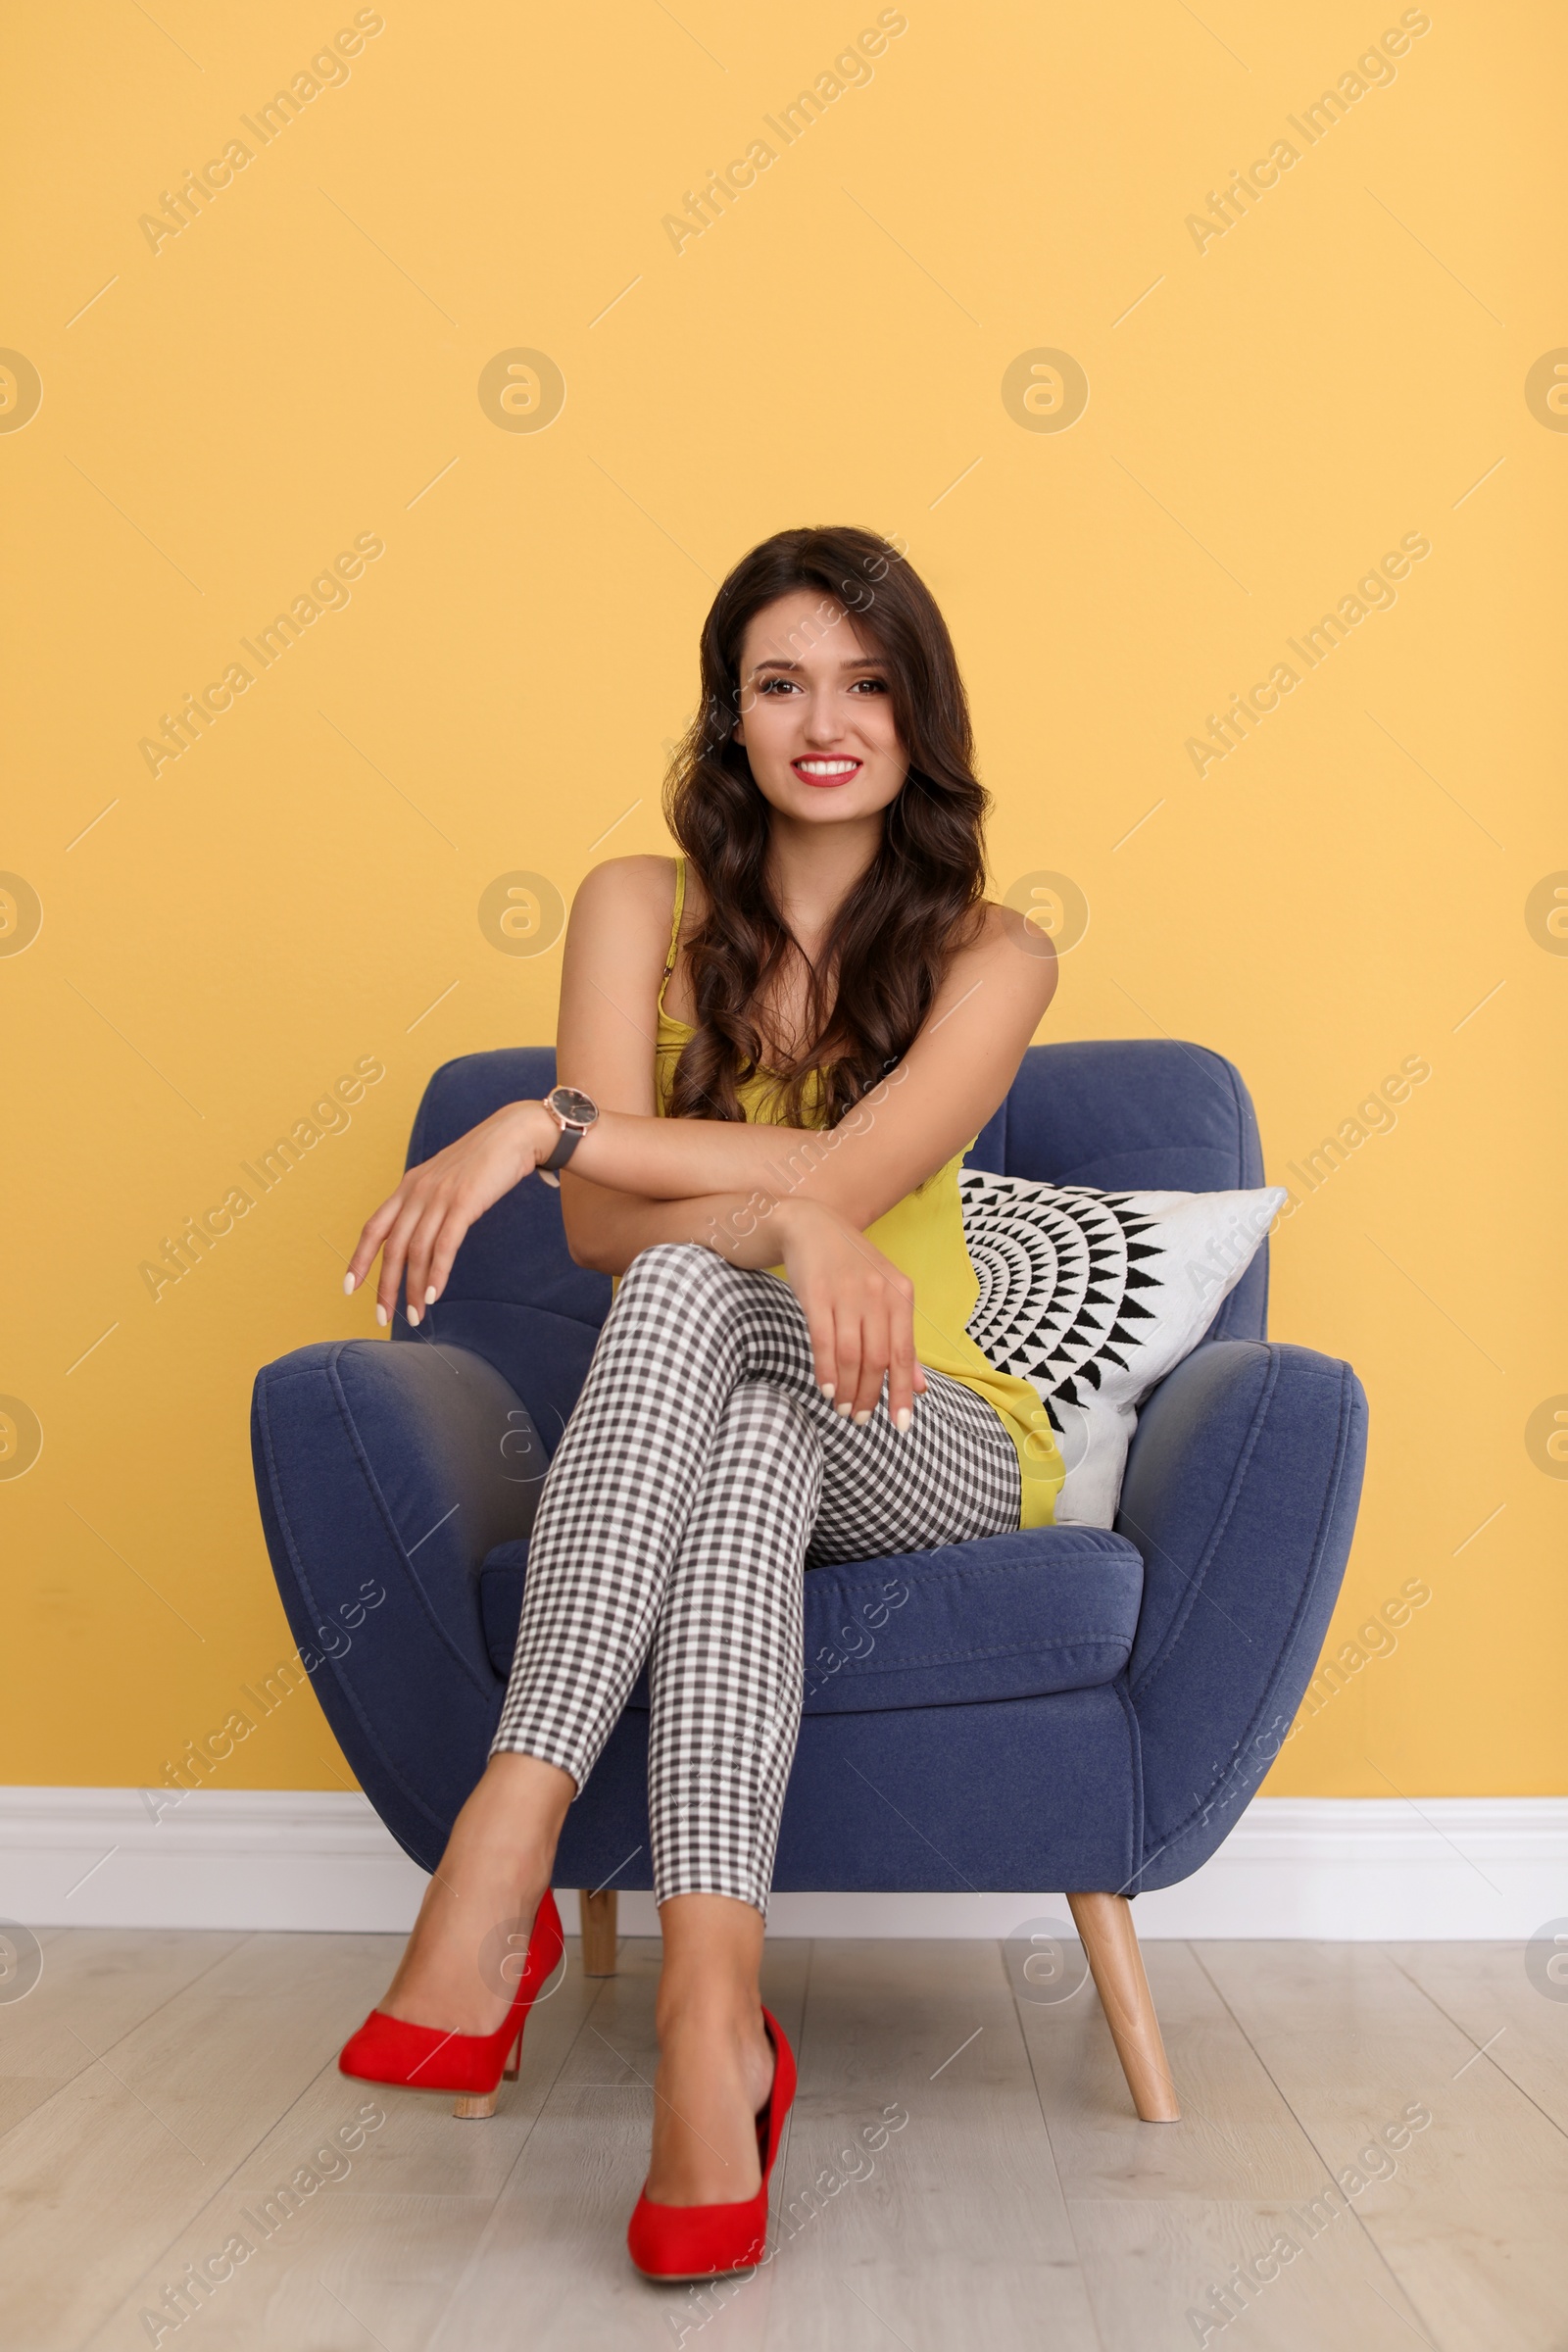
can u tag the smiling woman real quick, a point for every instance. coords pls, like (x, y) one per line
(785, 1377)
(841, 717)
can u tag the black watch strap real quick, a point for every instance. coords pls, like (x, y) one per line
(566, 1145)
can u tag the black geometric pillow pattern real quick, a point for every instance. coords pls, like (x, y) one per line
(1094, 1297)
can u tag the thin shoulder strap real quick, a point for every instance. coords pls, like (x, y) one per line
(674, 928)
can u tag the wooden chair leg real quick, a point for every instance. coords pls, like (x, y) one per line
(597, 1914)
(1110, 1940)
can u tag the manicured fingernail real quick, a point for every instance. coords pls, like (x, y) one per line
(862, 1418)
(429, 1296)
(414, 1316)
(826, 1387)
(845, 1410)
(902, 1419)
(348, 1285)
(380, 1312)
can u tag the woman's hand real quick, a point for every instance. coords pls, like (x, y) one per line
(860, 1311)
(421, 1227)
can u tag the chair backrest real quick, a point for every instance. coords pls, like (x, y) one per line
(1123, 1113)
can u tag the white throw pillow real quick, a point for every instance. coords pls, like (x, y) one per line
(1094, 1297)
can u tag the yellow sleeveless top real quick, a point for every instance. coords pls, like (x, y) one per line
(923, 1235)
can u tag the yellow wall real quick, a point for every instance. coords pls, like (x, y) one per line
(1269, 412)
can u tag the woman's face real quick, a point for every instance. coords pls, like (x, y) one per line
(816, 712)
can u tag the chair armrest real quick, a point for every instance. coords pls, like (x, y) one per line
(1240, 1492)
(392, 1472)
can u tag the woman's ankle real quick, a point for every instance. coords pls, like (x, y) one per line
(723, 2025)
(519, 1798)
(716, 2041)
(463, 1957)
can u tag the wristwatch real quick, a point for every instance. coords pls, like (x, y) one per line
(575, 1113)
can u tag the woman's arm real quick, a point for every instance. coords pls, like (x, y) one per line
(943, 1091)
(761, 1195)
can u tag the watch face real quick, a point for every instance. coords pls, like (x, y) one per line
(579, 1110)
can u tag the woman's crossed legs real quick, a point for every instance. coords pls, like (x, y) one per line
(701, 1471)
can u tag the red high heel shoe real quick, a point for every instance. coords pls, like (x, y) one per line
(389, 2049)
(705, 2241)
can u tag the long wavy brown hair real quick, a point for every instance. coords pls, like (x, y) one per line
(918, 899)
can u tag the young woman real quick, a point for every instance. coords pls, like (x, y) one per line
(779, 1046)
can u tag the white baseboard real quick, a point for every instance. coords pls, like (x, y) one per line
(1349, 1869)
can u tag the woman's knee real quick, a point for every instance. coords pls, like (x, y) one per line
(679, 1298)
(684, 1301)
(762, 1419)
(677, 1270)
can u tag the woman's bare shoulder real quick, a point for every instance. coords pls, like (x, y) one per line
(628, 899)
(1011, 954)
(629, 886)
(1004, 926)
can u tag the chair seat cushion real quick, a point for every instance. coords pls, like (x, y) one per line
(1016, 1616)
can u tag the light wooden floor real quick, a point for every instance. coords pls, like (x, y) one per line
(156, 2087)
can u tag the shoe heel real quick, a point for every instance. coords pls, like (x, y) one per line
(471, 2106)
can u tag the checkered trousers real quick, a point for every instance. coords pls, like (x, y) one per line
(701, 1471)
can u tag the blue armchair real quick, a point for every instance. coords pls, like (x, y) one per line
(1069, 1708)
